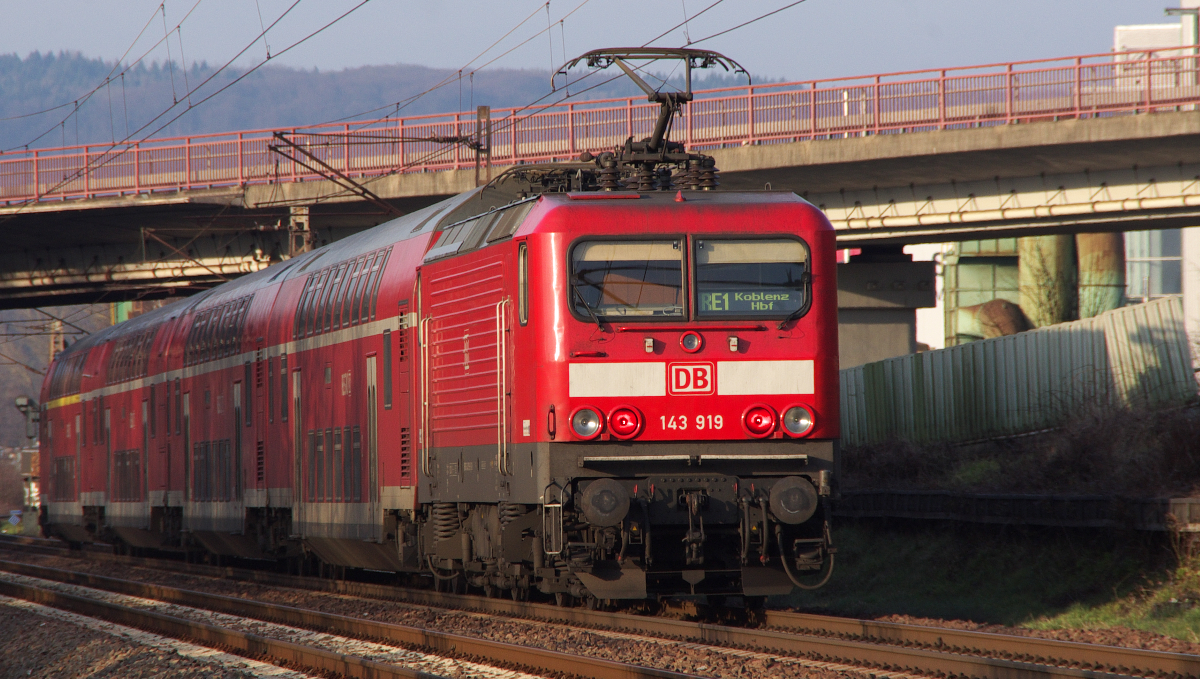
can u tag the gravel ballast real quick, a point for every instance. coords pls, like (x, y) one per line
(676, 656)
(37, 641)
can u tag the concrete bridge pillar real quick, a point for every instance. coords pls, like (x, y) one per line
(1046, 277)
(879, 292)
(1101, 272)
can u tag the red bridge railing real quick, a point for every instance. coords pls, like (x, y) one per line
(995, 94)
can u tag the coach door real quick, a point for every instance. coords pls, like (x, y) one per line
(240, 409)
(398, 399)
(372, 446)
(465, 363)
(77, 477)
(108, 490)
(257, 474)
(144, 494)
(299, 451)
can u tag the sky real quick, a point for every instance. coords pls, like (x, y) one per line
(814, 39)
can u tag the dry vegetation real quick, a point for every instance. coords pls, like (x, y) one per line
(12, 491)
(1129, 453)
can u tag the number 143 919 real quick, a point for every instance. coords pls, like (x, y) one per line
(681, 422)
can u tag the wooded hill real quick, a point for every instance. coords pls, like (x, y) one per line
(274, 97)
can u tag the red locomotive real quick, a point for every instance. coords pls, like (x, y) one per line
(550, 383)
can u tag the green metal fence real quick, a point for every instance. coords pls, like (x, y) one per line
(1137, 356)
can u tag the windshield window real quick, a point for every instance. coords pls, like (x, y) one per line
(632, 278)
(747, 278)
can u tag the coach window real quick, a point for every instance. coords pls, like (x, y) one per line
(751, 278)
(347, 299)
(335, 287)
(334, 321)
(311, 321)
(627, 279)
(377, 278)
(206, 336)
(222, 341)
(302, 305)
(523, 284)
(356, 299)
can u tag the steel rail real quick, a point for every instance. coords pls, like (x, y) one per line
(440, 643)
(211, 635)
(883, 654)
(1035, 649)
(1088, 656)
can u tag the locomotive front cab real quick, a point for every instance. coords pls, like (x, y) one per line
(691, 402)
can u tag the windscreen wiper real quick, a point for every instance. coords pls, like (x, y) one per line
(587, 306)
(805, 284)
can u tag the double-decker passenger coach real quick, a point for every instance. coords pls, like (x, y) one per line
(598, 380)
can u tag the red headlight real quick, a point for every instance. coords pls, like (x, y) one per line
(759, 421)
(625, 422)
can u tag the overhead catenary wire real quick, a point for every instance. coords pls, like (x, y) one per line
(682, 23)
(170, 61)
(88, 95)
(183, 62)
(747, 23)
(513, 118)
(399, 105)
(262, 26)
(109, 156)
(511, 121)
(106, 77)
(407, 101)
(686, 36)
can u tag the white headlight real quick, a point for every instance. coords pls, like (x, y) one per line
(798, 420)
(586, 423)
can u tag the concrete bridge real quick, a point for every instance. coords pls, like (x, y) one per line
(1081, 144)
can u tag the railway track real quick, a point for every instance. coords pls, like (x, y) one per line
(827, 641)
(434, 654)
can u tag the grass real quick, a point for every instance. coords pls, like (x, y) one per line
(1040, 578)
(1169, 604)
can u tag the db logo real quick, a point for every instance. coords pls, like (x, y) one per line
(691, 378)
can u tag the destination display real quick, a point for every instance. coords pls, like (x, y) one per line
(749, 301)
